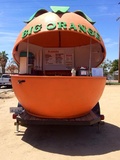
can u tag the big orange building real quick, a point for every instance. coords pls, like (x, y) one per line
(50, 46)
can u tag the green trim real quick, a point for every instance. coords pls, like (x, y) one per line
(59, 9)
(24, 54)
(80, 13)
(36, 14)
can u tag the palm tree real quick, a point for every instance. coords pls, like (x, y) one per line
(3, 60)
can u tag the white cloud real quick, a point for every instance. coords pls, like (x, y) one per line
(106, 11)
(109, 42)
(6, 37)
(103, 8)
(7, 40)
(8, 33)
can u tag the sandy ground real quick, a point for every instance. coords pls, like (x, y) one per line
(62, 142)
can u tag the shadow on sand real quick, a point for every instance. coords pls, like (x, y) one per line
(74, 140)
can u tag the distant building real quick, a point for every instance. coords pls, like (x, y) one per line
(115, 74)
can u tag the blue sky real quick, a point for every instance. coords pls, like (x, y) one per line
(103, 12)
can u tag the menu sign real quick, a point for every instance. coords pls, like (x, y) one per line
(54, 57)
(59, 57)
(68, 60)
(49, 59)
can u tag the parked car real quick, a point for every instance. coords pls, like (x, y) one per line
(5, 80)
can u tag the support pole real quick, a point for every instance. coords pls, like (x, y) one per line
(90, 56)
(27, 53)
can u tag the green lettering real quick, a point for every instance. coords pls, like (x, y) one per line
(37, 28)
(97, 36)
(51, 26)
(25, 33)
(62, 25)
(30, 31)
(72, 26)
(91, 32)
(82, 28)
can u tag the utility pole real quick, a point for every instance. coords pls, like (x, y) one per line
(119, 52)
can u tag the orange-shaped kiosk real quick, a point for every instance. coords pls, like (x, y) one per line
(47, 50)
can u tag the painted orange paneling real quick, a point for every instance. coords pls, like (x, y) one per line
(58, 96)
(58, 37)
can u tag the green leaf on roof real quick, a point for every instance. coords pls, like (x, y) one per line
(84, 16)
(59, 9)
(36, 14)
